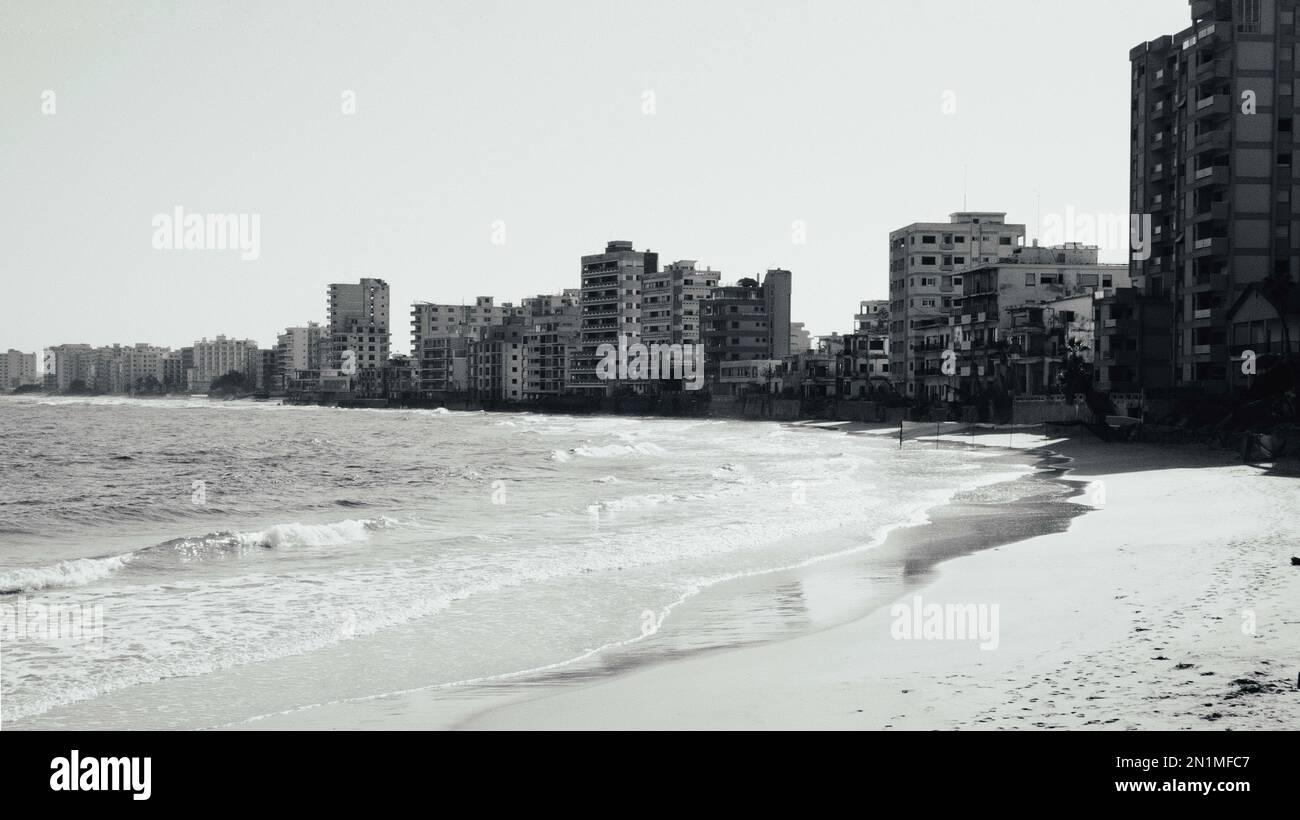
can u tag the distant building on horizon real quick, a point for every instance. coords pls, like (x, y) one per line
(17, 369)
(358, 322)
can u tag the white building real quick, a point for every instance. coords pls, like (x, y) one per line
(214, 359)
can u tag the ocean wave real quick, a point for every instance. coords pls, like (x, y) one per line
(279, 536)
(619, 450)
(74, 573)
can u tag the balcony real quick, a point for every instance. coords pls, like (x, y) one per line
(1163, 78)
(1210, 317)
(1215, 141)
(1214, 176)
(1161, 110)
(1210, 246)
(1217, 212)
(1210, 353)
(1218, 106)
(1211, 69)
(1213, 282)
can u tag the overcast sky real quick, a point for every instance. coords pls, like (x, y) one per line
(527, 122)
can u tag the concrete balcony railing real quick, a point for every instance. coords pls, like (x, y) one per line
(1213, 68)
(1211, 177)
(1211, 246)
(1213, 141)
(1213, 107)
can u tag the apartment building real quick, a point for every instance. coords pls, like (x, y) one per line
(670, 303)
(747, 321)
(498, 362)
(927, 265)
(214, 359)
(1212, 152)
(358, 322)
(1003, 332)
(610, 307)
(552, 325)
(296, 349)
(17, 369)
(1134, 336)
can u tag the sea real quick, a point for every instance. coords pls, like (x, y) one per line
(184, 563)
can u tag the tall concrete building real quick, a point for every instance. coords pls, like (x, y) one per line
(214, 359)
(69, 364)
(1212, 163)
(670, 303)
(611, 307)
(1002, 332)
(441, 336)
(748, 321)
(17, 369)
(927, 263)
(434, 321)
(359, 322)
(552, 325)
(297, 349)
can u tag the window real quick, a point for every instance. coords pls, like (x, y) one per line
(1005, 240)
(927, 240)
(1030, 280)
(1248, 16)
(947, 259)
(961, 240)
(959, 260)
(1089, 280)
(928, 260)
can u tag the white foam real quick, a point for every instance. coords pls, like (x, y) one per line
(74, 573)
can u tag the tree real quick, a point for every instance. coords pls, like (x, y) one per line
(232, 384)
(1076, 371)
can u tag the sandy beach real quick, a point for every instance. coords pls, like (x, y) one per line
(1152, 590)
(1171, 606)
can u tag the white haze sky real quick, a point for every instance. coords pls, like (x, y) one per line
(530, 113)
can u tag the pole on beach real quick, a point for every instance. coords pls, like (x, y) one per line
(900, 434)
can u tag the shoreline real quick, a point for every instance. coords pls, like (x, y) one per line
(704, 625)
(1188, 621)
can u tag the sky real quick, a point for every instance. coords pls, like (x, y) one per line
(459, 149)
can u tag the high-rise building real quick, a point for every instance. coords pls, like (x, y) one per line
(670, 303)
(611, 307)
(927, 261)
(358, 322)
(747, 321)
(297, 349)
(441, 335)
(1213, 165)
(552, 324)
(17, 369)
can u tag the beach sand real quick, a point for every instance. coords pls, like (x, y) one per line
(1172, 606)
(1162, 597)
